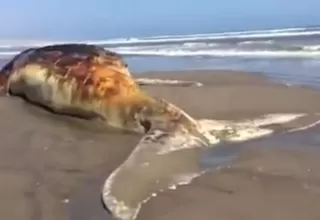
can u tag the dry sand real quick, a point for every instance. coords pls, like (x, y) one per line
(53, 167)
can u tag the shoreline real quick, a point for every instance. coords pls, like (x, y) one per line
(220, 75)
(227, 89)
(56, 168)
(240, 76)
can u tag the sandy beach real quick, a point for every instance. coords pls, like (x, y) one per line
(53, 167)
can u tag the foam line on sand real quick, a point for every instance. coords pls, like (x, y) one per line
(242, 130)
(162, 82)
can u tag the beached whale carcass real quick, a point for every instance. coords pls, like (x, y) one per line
(87, 81)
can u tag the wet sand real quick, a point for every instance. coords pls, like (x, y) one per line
(53, 167)
(234, 95)
(273, 178)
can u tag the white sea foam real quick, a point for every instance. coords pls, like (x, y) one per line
(218, 53)
(305, 127)
(311, 47)
(256, 42)
(150, 81)
(212, 53)
(214, 36)
(231, 33)
(8, 53)
(242, 130)
(218, 36)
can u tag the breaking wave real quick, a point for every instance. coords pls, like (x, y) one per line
(289, 42)
(223, 53)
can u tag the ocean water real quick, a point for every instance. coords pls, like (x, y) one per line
(289, 55)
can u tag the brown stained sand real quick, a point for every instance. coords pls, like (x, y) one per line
(53, 167)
